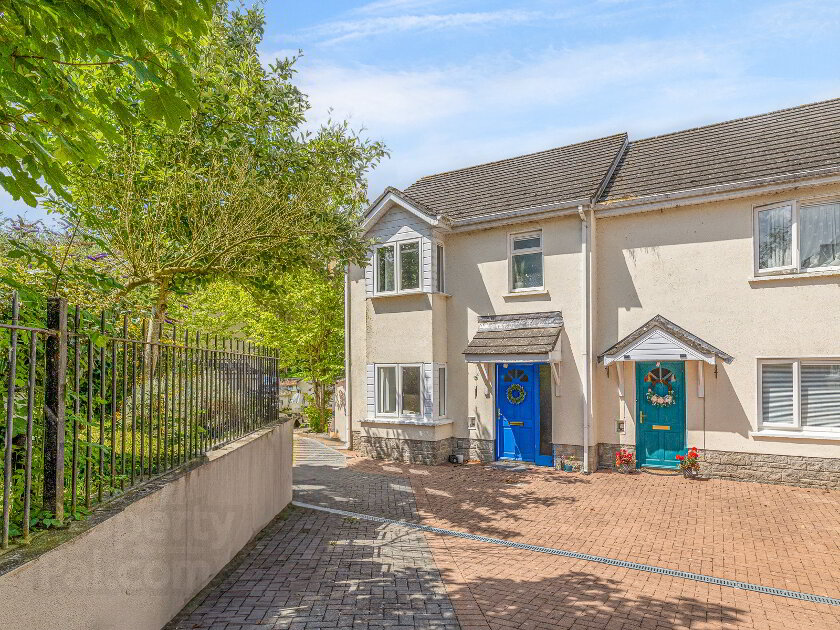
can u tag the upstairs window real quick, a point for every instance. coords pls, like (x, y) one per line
(441, 285)
(526, 261)
(397, 267)
(793, 237)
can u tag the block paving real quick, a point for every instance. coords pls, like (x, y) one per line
(318, 570)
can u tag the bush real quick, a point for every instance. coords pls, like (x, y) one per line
(318, 422)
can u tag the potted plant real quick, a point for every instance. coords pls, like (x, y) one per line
(689, 465)
(625, 461)
(570, 464)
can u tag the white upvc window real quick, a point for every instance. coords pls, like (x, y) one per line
(442, 391)
(525, 261)
(398, 267)
(399, 389)
(799, 394)
(440, 265)
(796, 237)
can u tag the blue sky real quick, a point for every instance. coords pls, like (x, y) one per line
(452, 83)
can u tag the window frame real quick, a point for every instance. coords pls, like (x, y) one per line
(376, 390)
(515, 236)
(796, 206)
(443, 388)
(440, 262)
(399, 397)
(795, 426)
(376, 289)
(398, 290)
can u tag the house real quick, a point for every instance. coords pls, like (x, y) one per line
(293, 392)
(654, 295)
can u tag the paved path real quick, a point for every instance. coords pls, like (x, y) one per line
(318, 570)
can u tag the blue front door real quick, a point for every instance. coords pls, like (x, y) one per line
(660, 413)
(518, 413)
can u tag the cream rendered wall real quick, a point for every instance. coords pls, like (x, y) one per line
(693, 265)
(477, 279)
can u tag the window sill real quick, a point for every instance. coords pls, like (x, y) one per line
(795, 275)
(796, 435)
(409, 421)
(384, 296)
(534, 293)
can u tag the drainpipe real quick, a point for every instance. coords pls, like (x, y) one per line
(348, 397)
(585, 331)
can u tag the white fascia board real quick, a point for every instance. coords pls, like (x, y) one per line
(381, 209)
(721, 192)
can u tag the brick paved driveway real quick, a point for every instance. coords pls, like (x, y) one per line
(315, 568)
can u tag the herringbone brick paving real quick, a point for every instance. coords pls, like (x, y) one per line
(772, 535)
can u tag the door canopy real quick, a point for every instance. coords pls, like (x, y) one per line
(525, 338)
(662, 340)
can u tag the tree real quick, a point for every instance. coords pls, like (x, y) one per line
(59, 65)
(237, 192)
(300, 313)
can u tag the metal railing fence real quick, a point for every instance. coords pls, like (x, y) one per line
(103, 402)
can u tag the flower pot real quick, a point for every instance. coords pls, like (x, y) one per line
(626, 468)
(690, 473)
(567, 467)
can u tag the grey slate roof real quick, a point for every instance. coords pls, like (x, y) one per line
(692, 341)
(569, 173)
(529, 333)
(778, 143)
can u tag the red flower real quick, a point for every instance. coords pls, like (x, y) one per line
(680, 457)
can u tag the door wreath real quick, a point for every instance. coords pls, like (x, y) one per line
(515, 394)
(665, 377)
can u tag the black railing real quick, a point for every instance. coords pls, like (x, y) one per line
(103, 403)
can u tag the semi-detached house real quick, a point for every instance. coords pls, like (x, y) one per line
(653, 295)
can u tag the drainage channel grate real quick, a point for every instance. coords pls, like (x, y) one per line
(685, 575)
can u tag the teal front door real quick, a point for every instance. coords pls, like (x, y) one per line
(660, 413)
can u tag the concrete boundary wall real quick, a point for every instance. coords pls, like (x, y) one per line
(141, 564)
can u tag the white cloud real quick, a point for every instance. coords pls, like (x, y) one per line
(345, 30)
(386, 6)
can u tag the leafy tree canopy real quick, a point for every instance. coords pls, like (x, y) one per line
(240, 190)
(61, 65)
(300, 313)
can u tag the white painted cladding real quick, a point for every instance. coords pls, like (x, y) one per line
(399, 225)
(658, 345)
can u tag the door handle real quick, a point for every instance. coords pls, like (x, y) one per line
(641, 417)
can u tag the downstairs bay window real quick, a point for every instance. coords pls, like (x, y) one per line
(399, 390)
(800, 394)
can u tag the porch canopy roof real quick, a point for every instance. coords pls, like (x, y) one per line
(662, 340)
(523, 338)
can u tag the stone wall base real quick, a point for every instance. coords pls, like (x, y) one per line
(475, 450)
(606, 453)
(563, 451)
(809, 472)
(429, 452)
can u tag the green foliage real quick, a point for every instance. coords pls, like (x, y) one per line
(39, 262)
(238, 191)
(300, 313)
(317, 418)
(61, 66)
